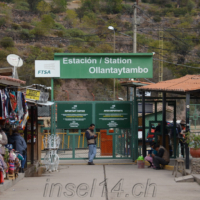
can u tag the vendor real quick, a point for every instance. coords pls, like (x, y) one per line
(19, 145)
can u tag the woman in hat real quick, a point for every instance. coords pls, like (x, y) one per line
(149, 157)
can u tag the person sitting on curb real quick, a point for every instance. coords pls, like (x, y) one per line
(149, 157)
(161, 158)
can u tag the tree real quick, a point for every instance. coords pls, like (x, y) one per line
(80, 13)
(33, 4)
(90, 5)
(71, 18)
(113, 6)
(59, 6)
(43, 7)
(43, 28)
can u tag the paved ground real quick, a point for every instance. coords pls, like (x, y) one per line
(86, 182)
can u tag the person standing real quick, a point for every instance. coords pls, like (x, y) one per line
(182, 139)
(91, 141)
(19, 145)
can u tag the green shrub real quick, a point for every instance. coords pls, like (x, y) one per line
(61, 33)
(153, 11)
(58, 26)
(190, 5)
(2, 21)
(168, 5)
(26, 34)
(75, 32)
(3, 55)
(7, 42)
(26, 25)
(52, 15)
(58, 6)
(127, 9)
(180, 12)
(22, 5)
(157, 18)
(15, 26)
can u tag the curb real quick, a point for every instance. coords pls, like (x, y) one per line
(99, 164)
(9, 183)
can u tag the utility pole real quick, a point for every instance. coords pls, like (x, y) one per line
(134, 39)
(135, 28)
(160, 58)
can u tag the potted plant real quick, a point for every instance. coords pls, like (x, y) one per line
(193, 141)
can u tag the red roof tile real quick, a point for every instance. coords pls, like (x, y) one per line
(12, 79)
(184, 84)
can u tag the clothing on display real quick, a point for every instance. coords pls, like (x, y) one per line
(13, 106)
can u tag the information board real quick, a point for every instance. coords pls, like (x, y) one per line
(113, 115)
(33, 94)
(74, 115)
(126, 65)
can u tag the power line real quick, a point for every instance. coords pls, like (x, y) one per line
(178, 64)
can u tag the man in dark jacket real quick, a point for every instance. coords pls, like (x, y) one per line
(161, 158)
(91, 140)
(19, 145)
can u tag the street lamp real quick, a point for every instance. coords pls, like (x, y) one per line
(113, 29)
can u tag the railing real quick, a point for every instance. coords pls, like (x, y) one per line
(65, 140)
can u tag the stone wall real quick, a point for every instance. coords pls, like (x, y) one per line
(195, 165)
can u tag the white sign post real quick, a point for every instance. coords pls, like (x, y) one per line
(47, 68)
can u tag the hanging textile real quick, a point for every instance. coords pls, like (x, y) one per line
(0, 106)
(13, 101)
(19, 104)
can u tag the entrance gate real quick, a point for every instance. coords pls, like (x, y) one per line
(71, 120)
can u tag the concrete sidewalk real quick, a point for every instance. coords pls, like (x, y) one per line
(87, 182)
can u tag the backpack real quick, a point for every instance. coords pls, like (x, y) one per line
(178, 131)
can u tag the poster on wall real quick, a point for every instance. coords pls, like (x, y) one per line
(113, 115)
(74, 115)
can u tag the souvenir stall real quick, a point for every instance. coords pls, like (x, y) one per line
(36, 96)
(13, 113)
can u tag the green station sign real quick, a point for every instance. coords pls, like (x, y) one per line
(113, 115)
(79, 65)
(74, 115)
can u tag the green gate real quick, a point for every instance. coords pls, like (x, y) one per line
(70, 120)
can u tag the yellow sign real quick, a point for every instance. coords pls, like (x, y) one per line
(33, 94)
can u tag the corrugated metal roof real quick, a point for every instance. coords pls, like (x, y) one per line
(134, 83)
(184, 84)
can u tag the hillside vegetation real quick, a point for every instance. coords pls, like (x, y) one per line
(36, 29)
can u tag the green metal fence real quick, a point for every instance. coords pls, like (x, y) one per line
(74, 144)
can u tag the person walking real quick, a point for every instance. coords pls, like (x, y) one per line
(19, 145)
(91, 141)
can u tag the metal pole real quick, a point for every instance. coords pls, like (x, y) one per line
(135, 119)
(114, 78)
(187, 161)
(135, 29)
(164, 119)
(143, 125)
(32, 131)
(25, 138)
(52, 107)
